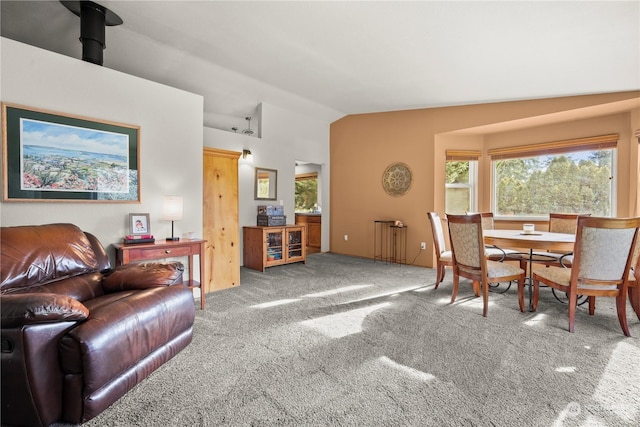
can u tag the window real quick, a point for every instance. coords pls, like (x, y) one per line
(306, 199)
(576, 176)
(461, 182)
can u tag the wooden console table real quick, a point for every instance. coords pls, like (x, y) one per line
(166, 249)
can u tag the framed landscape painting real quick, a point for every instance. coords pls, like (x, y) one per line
(49, 156)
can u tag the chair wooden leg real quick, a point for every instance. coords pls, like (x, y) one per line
(634, 299)
(476, 288)
(573, 303)
(454, 292)
(592, 305)
(536, 295)
(621, 303)
(439, 274)
(485, 298)
(521, 294)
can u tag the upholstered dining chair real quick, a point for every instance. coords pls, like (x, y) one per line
(443, 255)
(634, 283)
(602, 258)
(470, 261)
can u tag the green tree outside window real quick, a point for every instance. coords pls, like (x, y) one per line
(306, 199)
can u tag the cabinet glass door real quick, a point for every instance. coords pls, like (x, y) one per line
(274, 246)
(295, 243)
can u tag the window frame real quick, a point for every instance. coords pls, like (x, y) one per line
(473, 158)
(565, 147)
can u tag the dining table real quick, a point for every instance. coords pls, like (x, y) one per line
(530, 242)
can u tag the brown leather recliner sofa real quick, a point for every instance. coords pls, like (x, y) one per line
(76, 334)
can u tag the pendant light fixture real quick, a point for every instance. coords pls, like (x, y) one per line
(248, 131)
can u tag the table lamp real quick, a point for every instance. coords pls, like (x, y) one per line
(172, 212)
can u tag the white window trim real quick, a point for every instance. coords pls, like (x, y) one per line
(472, 185)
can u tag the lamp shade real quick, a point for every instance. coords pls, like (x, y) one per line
(172, 208)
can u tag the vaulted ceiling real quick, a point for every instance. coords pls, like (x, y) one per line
(328, 59)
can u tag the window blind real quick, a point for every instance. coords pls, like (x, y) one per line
(303, 176)
(601, 142)
(462, 155)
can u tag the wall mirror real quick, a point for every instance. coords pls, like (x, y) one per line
(266, 184)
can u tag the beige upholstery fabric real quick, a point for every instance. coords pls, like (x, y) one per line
(562, 276)
(465, 239)
(548, 257)
(501, 269)
(487, 222)
(604, 252)
(439, 235)
(446, 256)
(495, 269)
(562, 225)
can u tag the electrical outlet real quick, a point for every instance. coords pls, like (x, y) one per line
(346, 237)
(423, 245)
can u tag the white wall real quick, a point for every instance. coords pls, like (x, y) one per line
(171, 138)
(286, 137)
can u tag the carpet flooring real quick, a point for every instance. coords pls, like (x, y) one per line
(344, 341)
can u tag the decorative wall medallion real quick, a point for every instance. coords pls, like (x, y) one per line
(397, 179)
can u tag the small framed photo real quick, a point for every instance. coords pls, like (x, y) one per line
(139, 224)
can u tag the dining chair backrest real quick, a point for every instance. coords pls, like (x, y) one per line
(564, 222)
(603, 251)
(438, 235)
(487, 220)
(467, 245)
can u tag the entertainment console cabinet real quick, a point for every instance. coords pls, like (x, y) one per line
(268, 246)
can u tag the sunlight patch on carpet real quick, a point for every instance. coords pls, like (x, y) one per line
(336, 291)
(275, 303)
(617, 393)
(475, 303)
(425, 288)
(409, 371)
(620, 383)
(342, 324)
(385, 294)
(566, 369)
(538, 319)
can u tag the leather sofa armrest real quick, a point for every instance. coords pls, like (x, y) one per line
(143, 276)
(31, 308)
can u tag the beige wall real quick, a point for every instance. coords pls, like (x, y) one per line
(362, 146)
